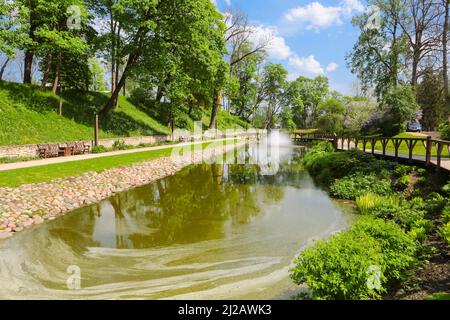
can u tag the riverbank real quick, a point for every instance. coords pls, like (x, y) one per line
(33, 204)
(404, 253)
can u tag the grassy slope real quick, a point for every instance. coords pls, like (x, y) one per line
(29, 116)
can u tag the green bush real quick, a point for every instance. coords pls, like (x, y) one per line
(403, 182)
(446, 214)
(435, 203)
(402, 170)
(339, 268)
(444, 129)
(99, 149)
(445, 232)
(398, 248)
(354, 186)
(120, 145)
(325, 167)
(408, 214)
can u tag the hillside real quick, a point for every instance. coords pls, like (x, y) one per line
(29, 116)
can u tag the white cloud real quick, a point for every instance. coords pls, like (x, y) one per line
(307, 66)
(279, 50)
(277, 47)
(332, 67)
(315, 16)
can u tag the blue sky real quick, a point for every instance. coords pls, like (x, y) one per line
(310, 37)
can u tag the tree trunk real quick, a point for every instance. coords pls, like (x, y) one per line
(112, 100)
(46, 71)
(215, 107)
(58, 73)
(2, 70)
(445, 56)
(29, 54)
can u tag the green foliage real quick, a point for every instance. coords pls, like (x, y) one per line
(99, 149)
(408, 214)
(430, 97)
(439, 296)
(120, 145)
(445, 232)
(353, 186)
(444, 130)
(400, 106)
(403, 182)
(331, 115)
(339, 268)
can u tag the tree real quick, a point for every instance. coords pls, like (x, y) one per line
(240, 48)
(399, 106)
(12, 32)
(305, 96)
(331, 115)
(243, 82)
(376, 58)
(98, 82)
(57, 41)
(160, 29)
(419, 22)
(286, 120)
(430, 96)
(445, 33)
(274, 86)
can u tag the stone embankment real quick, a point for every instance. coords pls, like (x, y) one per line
(33, 204)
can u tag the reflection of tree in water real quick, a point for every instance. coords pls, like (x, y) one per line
(190, 206)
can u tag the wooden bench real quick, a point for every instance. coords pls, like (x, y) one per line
(52, 150)
(48, 150)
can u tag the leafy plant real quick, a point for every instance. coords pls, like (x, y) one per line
(445, 232)
(403, 182)
(339, 268)
(99, 149)
(357, 185)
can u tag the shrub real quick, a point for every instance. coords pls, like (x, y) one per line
(357, 185)
(402, 182)
(408, 214)
(444, 129)
(120, 145)
(445, 232)
(399, 249)
(99, 149)
(402, 170)
(435, 203)
(446, 214)
(339, 267)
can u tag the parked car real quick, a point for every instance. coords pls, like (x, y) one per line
(414, 127)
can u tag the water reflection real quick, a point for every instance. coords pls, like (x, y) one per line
(210, 231)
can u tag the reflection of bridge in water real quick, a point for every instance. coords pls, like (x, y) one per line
(436, 152)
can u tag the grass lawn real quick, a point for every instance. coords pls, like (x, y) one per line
(419, 149)
(29, 116)
(17, 177)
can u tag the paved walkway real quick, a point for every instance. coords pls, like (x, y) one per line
(43, 162)
(445, 162)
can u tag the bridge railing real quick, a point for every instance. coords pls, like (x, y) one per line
(432, 151)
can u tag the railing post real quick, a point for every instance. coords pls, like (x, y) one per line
(429, 147)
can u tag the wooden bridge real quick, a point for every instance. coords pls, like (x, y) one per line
(427, 151)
